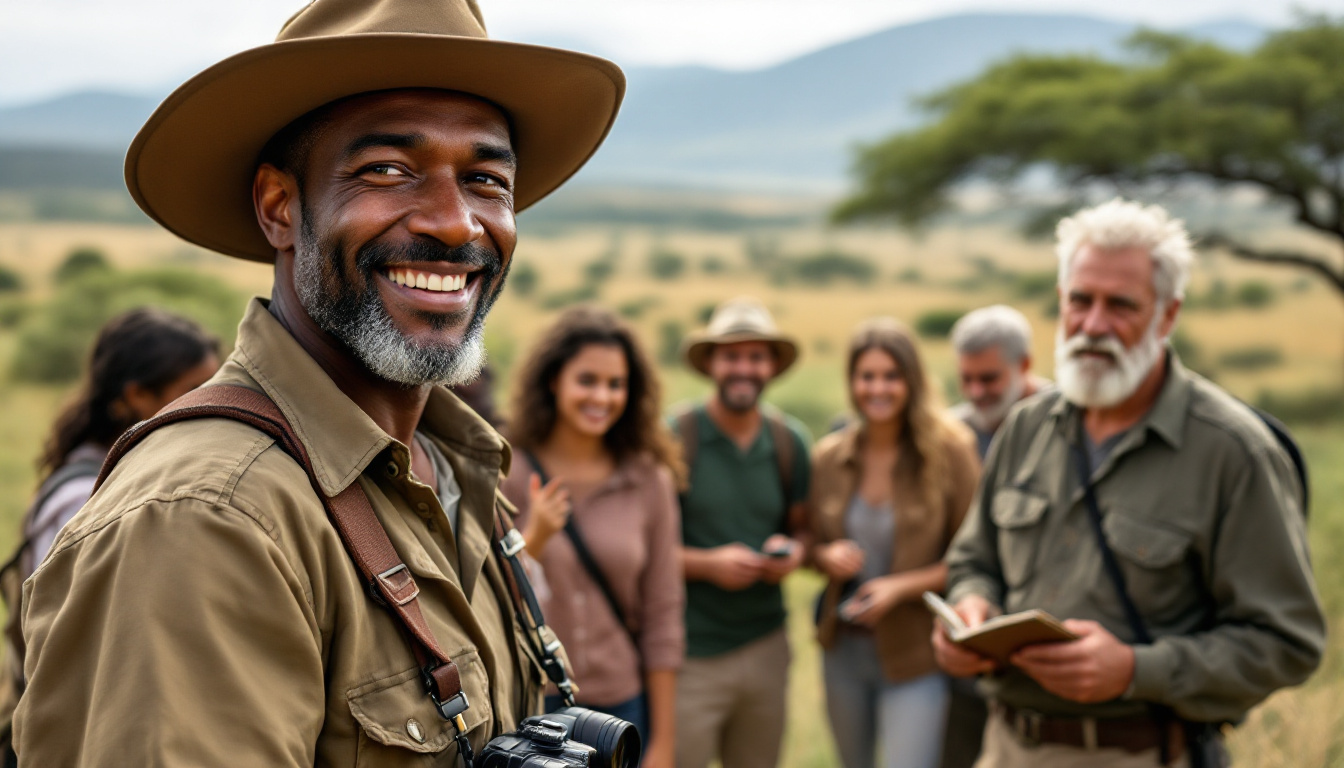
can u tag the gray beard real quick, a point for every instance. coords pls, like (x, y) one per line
(989, 419)
(361, 322)
(1097, 384)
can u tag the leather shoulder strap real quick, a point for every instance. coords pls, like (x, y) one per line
(389, 581)
(688, 430)
(785, 451)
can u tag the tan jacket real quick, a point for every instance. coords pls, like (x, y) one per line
(922, 536)
(202, 611)
(1203, 511)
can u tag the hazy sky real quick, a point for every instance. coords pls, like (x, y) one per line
(53, 46)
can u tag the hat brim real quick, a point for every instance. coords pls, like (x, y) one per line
(191, 166)
(699, 348)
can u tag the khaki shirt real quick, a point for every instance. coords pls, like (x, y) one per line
(201, 609)
(1203, 510)
(922, 535)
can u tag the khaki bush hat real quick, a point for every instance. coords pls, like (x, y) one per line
(743, 319)
(191, 166)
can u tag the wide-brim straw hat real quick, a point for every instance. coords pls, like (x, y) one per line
(192, 164)
(735, 321)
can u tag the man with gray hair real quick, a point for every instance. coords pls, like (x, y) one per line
(993, 346)
(1151, 511)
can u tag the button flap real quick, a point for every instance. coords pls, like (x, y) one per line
(1145, 542)
(1017, 508)
(397, 711)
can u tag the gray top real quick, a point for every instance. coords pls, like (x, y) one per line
(447, 489)
(873, 528)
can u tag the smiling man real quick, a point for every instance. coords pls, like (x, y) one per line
(741, 517)
(1152, 511)
(203, 609)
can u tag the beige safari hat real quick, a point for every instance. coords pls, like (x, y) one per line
(742, 319)
(191, 166)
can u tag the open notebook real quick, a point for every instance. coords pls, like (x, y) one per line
(1000, 636)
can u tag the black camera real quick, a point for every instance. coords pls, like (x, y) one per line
(572, 737)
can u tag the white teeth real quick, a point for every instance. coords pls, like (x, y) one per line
(428, 281)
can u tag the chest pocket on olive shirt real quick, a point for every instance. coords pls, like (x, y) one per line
(1153, 557)
(397, 718)
(1017, 514)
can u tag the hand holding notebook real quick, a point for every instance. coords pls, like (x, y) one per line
(999, 637)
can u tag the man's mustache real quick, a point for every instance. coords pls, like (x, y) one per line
(376, 255)
(1080, 344)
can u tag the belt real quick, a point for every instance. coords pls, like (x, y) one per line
(1131, 734)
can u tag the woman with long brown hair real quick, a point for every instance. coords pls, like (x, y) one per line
(888, 493)
(595, 478)
(141, 361)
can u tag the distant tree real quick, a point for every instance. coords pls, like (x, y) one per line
(10, 281)
(1177, 111)
(81, 260)
(666, 265)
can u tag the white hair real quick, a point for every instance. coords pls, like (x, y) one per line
(1124, 224)
(998, 326)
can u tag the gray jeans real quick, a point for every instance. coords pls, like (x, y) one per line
(905, 720)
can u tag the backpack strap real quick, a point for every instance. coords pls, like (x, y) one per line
(1290, 447)
(388, 579)
(688, 430)
(784, 452)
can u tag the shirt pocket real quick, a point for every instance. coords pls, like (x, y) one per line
(1154, 559)
(397, 719)
(1017, 514)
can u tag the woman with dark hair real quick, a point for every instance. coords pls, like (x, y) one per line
(141, 361)
(888, 493)
(595, 480)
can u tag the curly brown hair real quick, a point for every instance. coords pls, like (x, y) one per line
(639, 431)
(925, 429)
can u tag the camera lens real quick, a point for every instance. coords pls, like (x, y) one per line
(617, 742)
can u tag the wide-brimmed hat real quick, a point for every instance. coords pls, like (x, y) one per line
(734, 321)
(192, 164)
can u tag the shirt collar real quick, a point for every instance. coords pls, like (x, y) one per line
(340, 438)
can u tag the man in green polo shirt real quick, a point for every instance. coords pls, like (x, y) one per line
(741, 517)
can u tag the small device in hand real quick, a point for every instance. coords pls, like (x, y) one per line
(849, 608)
(779, 551)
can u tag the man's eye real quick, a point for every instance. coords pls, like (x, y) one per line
(384, 169)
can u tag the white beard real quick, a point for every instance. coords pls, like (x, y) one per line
(1100, 383)
(989, 418)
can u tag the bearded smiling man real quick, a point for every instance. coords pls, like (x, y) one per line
(1181, 561)
(209, 607)
(993, 346)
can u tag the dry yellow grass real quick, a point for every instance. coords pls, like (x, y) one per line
(1299, 728)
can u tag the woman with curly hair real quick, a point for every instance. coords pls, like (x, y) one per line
(595, 480)
(888, 493)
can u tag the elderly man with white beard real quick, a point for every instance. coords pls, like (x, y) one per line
(1147, 508)
(993, 346)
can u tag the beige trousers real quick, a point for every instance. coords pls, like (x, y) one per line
(732, 706)
(1003, 750)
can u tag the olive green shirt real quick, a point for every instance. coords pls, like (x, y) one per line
(1202, 509)
(201, 609)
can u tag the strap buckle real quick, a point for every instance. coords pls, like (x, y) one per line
(450, 709)
(396, 584)
(512, 543)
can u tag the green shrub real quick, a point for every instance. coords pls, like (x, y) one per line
(599, 271)
(578, 295)
(1251, 358)
(713, 265)
(910, 276)
(666, 265)
(1255, 294)
(12, 312)
(937, 323)
(523, 279)
(635, 308)
(1312, 406)
(1032, 286)
(80, 261)
(670, 334)
(1190, 352)
(704, 312)
(54, 338)
(10, 281)
(828, 266)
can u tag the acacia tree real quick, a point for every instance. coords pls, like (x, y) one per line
(1177, 111)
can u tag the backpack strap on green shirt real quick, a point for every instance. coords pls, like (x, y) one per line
(687, 424)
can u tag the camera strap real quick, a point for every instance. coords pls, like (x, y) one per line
(389, 581)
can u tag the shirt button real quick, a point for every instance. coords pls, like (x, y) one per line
(392, 469)
(422, 506)
(416, 732)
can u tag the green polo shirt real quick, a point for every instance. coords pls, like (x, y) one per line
(736, 495)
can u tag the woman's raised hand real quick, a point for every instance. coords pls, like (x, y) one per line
(548, 509)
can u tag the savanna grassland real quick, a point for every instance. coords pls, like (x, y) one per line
(1270, 335)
